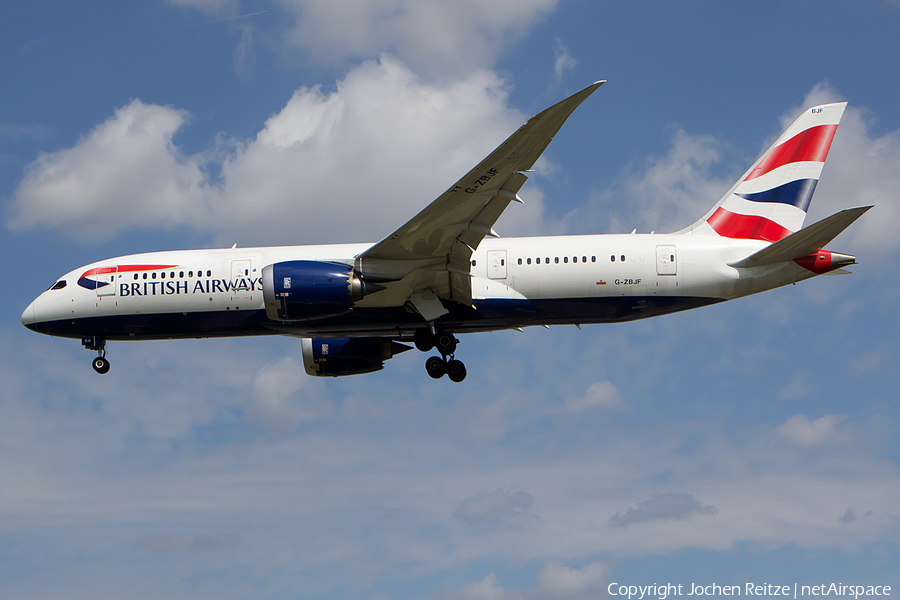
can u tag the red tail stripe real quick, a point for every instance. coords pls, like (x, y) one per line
(809, 145)
(746, 227)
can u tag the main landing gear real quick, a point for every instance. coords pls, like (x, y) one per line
(98, 344)
(446, 364)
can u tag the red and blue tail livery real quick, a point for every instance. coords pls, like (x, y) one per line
(445, 272)
(770, 201)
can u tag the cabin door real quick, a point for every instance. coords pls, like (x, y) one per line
(666, 260)
(241, 276)
(496, 264)
(106, 281)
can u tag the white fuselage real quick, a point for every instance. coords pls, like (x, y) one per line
(516, 282)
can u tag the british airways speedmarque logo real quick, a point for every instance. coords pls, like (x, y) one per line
(100, 277)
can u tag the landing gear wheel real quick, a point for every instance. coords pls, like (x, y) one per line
(101, 365)
(445, 342)
(456, 371)
(423, 339)
(435, 367)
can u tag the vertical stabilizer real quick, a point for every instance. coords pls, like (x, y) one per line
(769, 202)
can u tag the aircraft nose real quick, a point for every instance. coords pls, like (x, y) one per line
(28, 319)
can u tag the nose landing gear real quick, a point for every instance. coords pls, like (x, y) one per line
(101, 365)
(446, 364)
(98, 344)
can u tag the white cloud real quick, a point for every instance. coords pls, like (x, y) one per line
(797, 388)
(494, 508)
(600, 394)
(662, 507)
(283, 395)
(557, 580)
(126, 173)
(348, 165)
(670, 192)
(485, 589)
(666, 193)
(564, 62)
(228, 7)
(554, 580)
(244, 58)
(165, 448)
(862, 169)
(868, 361)
(433, 36)
(849, 516)
(800, 431)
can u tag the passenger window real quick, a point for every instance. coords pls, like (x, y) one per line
(537, 260)
(172, 275)
(135, 276)
(145, 276)
(612, 258)
(623, 258)
(547, 260)
(529, 261)
(473, 263)
(565, 259)
(163, 275)
(593, 259)
(181, 274)
(520, 261)
(556, 259)
(584, 259)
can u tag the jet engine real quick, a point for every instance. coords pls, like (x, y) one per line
(299, 290)
(347, 356)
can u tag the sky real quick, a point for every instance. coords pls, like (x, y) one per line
(754, 441)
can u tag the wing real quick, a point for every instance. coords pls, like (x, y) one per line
(429, 257)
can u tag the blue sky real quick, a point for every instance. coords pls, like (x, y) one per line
(750, 441)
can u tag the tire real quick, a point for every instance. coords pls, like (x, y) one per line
(445, 342)
(435, 367)
(456, 371)
(101, 365)
(424, 340)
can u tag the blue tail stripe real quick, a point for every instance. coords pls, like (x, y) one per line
(798, 193)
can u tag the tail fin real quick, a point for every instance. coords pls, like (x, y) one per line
(769, 202)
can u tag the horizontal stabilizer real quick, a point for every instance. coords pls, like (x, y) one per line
(808, 240)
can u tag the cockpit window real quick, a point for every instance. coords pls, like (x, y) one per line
(58, 285)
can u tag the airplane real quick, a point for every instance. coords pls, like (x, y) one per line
(446, 272)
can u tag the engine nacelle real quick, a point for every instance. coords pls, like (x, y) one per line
(347, 356)
(299, 290)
